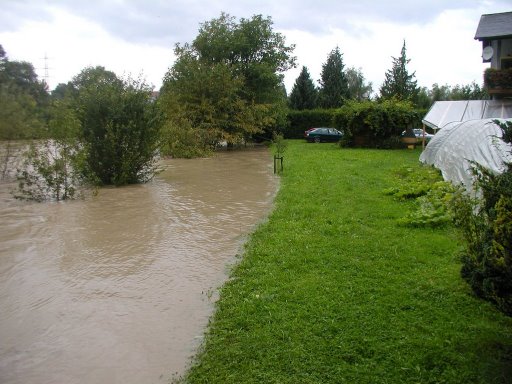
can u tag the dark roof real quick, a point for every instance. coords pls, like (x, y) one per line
(495, 25)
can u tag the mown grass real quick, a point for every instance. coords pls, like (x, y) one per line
(331, 289)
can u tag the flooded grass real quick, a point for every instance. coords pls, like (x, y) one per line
(332, 290)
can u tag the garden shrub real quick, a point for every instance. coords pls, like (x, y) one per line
(375, 124)
(485, 224)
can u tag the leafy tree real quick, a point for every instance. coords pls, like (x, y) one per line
(23, 100)
(440, 92)
(423, 99)
(63, 91)
(206, 97)
(228, 81)
(358, 89)
(304, 93)
(399, 83)
(333, 82)
(471, 91)
(119, 127)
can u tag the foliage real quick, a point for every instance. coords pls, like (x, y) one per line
(358, 89)
(181, 140)
(398, 83)
(331, 290)
(63, 91)
(374, 124)
(48, 172)
(228, 81)
(300, 121)
(120, 127)
(333, 82)
(50, 169)
(304, 93)
(279, 145)
(431, 195)
(485, 223)
(23, 100)
(498, 78)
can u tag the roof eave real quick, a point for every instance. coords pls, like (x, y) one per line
(482, 38)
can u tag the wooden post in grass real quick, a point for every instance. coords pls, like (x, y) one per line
(423, 139)
(278, 148)
(278, 160)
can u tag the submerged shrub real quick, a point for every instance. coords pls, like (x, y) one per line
(49, 172)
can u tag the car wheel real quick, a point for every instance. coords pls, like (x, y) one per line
(317, 139)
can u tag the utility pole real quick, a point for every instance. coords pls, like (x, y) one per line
(46, 76)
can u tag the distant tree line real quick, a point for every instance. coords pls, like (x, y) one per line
(337, 85)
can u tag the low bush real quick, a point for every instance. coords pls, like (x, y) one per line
(431, 195)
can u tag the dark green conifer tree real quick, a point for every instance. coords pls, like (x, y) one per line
(333, 82)
(304, 93)
(399, 83)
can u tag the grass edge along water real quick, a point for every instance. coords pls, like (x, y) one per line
(331, 289)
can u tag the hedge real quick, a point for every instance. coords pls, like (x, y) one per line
(300, 121)
(366, 123)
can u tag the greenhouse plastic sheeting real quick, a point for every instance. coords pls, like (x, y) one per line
(445, 112)
(458, 143)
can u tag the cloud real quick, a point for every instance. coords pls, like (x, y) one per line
(162, 22)
(73, 43)
(138, 36)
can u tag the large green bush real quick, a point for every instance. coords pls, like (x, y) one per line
(119, 127)
(375, 124)
(486, 227)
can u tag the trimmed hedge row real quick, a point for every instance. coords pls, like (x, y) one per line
(366, 124)
(300, 121)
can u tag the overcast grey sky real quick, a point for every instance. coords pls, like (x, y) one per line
(137, 37)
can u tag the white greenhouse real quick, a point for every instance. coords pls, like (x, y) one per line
(465, 133)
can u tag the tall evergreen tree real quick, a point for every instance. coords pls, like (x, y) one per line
(304, 93)
(398, 82)
(333, 82)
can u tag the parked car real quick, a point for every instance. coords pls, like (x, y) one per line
(418, 132)
(306, 132)
(323, 134)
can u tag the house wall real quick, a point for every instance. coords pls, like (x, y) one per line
(506, 48)
(502, 48)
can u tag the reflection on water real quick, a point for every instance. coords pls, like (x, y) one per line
(114, 289)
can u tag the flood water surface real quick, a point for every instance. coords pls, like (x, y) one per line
(118, 288)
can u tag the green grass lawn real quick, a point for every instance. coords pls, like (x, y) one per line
(332, 290)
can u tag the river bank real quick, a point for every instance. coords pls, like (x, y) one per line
(331, 289)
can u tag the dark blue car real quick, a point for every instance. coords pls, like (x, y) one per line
(319, 135)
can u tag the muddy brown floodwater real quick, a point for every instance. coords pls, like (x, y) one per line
(118, 288)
